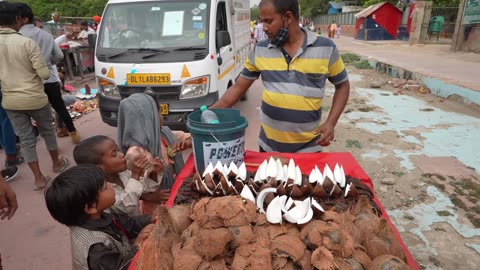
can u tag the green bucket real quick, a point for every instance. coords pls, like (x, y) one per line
(224, 142)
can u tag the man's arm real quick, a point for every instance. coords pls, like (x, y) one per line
(57, 54)
(234, 93)
(37, 60)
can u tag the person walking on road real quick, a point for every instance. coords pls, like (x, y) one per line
(259, 33)
(52, 54)
(22, 68)
(294, 66)
(332, 29)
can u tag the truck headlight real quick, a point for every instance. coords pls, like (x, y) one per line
(108, 89)
(196, 87)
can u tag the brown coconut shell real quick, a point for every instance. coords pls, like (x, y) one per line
(353, 192)
(319, 192)
(181, 217)
(354, 264)
(218, 192)
(328, 184)
(238, 212)
(388, 262)
(218, 264)
(281, 190)
(212, 243)
(305, 262)
(197, 181)
(238, 185)
(296, 192)
(185, 257)
(242, 235)
(279, 262)
(361, 257)
(260, 219)
(209, 182)
(251, 256)
(261, 259)
(273, 182)
(336, 191)
(330, 216)
(306, 186)
(224, 183)
(253, 186)
(341, 263)
(289, 266)
(289, 185)
(288, 246)
(384, 243)
(339, 242)
(322, 259)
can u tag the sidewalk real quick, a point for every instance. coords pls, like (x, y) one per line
(432, 60)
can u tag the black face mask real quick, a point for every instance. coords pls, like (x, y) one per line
(281, 38)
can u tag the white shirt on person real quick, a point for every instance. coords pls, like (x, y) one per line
(85, 33)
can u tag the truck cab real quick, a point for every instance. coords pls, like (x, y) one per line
(187, 53)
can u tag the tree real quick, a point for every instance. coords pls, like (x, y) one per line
(69, 8)
(312, 8)
(254, 13)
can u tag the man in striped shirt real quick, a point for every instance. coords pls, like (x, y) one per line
(294, 65)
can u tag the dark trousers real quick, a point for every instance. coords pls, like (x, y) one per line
(53, 91)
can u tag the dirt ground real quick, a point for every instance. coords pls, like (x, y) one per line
(434, 202)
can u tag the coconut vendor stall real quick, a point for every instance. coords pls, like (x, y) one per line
(272, 211)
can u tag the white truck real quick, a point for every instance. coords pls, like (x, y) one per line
(186, 52)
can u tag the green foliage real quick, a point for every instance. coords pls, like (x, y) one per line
(349, 58)
(69, 8)
(254, 13)
(312, 8)
(362, 64)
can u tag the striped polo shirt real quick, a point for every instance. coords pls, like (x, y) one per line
(294, 88)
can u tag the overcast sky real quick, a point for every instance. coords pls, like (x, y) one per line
(254, 2)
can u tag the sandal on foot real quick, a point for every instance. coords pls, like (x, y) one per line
(36, 188)
(64, 166)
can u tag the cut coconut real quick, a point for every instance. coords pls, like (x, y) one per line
(320, 177)
(327, 172)
(281, 190)
(233, 170)
(347, 189)
(208, 180)
(280, 173)
(291, 172)
(307, 218)
(336, 191)
(247, 194)
(288, 204)
(296, 192)
(208, 170)
(261, 197)
(285, 173)
(204, 188)
(271, 168)
(298, 212)
(316, 205)
(239, 185)
(339, 178)
(242, 172)
(298, 176)
(344, 179)
(312, 178)
(274, 211)
(261, 174)
(218, 169)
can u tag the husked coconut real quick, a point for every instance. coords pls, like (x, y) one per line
(312, 177)
(388, 262)
(322, 259)
(261, 174)
(242, 235)
(305, 262)
(336, 191)
(339, 242)
(383, 242)
(298, 212)
(279, 262)
(339, 175)
(281, 190)
(238, 185)
(232, 170)
(271, 169)
(212, 243)
(288, 246)
(298, 176)
(261, 197)
(328, 184)
(184, 256)
(209, 182)
(317, 208)
(218, 169)
(320, 176)
(351, 192)
(291, 171)
(306, 187)
(296, 192)
(280, 173)
(319, 192)
(361, 257)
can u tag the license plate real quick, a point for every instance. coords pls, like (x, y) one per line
(164, 109)
(148, 79)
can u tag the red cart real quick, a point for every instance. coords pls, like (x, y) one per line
(306, 162)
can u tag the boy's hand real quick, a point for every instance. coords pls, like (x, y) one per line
(183, 145)
(157, 165)
(8, 201)
(138, 163)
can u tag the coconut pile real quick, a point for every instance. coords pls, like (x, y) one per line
(229, 233)
(281, 190)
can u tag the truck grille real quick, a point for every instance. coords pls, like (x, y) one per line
(160, 92)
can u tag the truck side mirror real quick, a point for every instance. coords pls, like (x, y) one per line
(223, 39)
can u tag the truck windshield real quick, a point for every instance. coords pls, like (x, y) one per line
(166, 25)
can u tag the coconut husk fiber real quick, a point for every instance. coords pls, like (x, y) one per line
(388, 262)
(383, 242)
(288, 246)
(212, 243)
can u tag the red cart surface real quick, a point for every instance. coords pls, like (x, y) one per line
(306, 162)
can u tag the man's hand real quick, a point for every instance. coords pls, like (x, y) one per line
(157, 165)
(327, 131)
(183, 145)
(8, 200)
(160, 196)
(138, 164)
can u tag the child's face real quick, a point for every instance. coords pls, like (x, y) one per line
(105, 197)
(112, 160)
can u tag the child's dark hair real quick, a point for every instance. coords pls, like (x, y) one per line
(71, 191)
(9, 13)
(87, 152)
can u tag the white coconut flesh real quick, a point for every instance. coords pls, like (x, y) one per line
(247, 194)
(261, 174)
(298, 212)
(317, 205)
(261, 197)
(280, 172)
(206, 187)
(320, 177)
(339, 178)
(242, 172)
(208, 170)
(298, 176)
(347, 189)
(291, 170)
(274, 211)
(312, 178)
(271, 168)
(233, 169)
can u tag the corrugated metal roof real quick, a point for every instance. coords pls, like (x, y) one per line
(336, 5)
(369, 10)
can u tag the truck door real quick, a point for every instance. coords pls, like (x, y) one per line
(226, 53)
